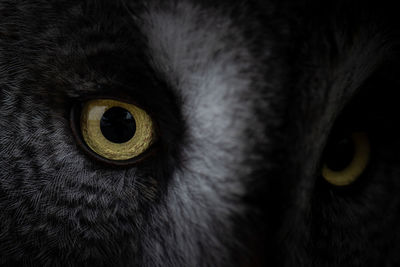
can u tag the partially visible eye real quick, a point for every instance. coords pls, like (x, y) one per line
(346, 159)
(115, 130)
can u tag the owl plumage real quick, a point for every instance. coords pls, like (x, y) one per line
(245, 97)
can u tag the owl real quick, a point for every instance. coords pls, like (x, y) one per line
(196, 133)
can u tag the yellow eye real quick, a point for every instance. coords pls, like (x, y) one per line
(116, 130)
(346, 159)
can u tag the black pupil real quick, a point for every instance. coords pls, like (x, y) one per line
(118, 125)
(339, 154)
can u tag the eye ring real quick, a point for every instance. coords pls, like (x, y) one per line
(143, 142)
(357, 165)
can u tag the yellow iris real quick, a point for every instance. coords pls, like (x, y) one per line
(357, 165)
(142, 138)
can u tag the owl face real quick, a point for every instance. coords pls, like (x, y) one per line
(193, 133)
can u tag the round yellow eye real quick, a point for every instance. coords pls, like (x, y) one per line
(116, 130)
(348, 170)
